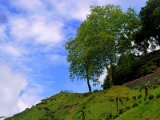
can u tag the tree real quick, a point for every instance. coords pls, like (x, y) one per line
(149, 33)
(82, 65)
(99, 41)
(111, 30)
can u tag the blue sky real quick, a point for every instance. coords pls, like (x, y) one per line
(33, 34)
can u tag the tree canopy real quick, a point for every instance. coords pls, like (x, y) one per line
(100, 39)
(149, 33)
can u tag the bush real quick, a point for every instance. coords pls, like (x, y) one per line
(141, 88)
(158, 96)
(139, 101)
(95, 90)
(127, 108)
(135, 67)
(111, 99)
(147, 102)
(145, 98)
(135, 105)
(121, 111)
(150, 97)
(134, 97)
(139, 96)
(121, 101)
(115, 116)
(127, 99)
(86, 94)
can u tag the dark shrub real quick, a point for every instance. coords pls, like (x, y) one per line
(95, 91)
(139, 96)
(147, 102)
(121, 111)
(140, 101)
(111, 99)
(86, 94)
(127, 99)
(127, 108)
(135, 105)
(115, 116)
(158, 96)
(134, 97)
(131, 67)
(150, 97)
(141, 88)
(121, 101)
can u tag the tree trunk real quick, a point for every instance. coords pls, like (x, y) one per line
(89, 86)
(109, 70)
(88, 83)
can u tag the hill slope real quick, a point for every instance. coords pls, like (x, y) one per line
(119, 102)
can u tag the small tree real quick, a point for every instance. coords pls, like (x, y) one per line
(81, 65)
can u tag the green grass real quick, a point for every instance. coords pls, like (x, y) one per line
(147, 110)
(96, 106)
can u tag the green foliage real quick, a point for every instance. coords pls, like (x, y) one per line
(134, 97)
(135, 105)
(150, 30)
(95, 90)
(121, 111)
(150, 97)
(131, 67)
(158, 95)
(111, 99)
(127, 99)
(140, 101)
(100, 39)
(127, 108)
(125, 69)
(139, 96)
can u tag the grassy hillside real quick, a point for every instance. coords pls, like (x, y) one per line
(100, 105)
(148, 110)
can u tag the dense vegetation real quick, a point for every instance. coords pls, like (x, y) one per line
(131, 67)
(117, 41)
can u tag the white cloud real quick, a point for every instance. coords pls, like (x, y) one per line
(58, 59)
(3, 35)
(44, 23)
(11, 50)
(30, 97)
(73, 9)
(11, 86)
(46, 32)
(29, 5)
(36, 23)
(37, 28)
